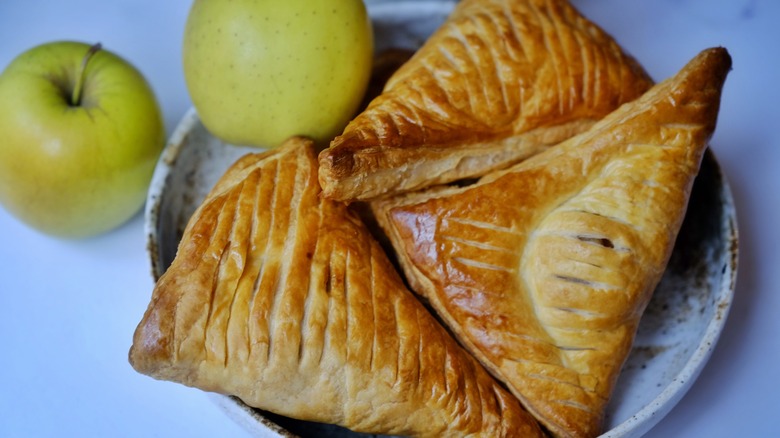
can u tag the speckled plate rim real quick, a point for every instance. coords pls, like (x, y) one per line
(647, 417)
(162, 171)
(638, 424)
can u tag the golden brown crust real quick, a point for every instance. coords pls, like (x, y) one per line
(281, 297)
(543, 270)
(501, 80)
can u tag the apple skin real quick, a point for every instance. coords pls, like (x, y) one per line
(76, 170)
(259, 72)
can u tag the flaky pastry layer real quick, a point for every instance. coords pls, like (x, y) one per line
(544, 270)
(499, 81)
(282, 298)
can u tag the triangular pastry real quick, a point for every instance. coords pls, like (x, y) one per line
(499, 81)
(281, 297)
(543, 270)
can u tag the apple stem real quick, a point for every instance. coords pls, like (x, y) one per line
(75, 99)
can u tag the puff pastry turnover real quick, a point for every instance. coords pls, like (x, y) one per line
(282, 298)
(499, 81)
(543, 270)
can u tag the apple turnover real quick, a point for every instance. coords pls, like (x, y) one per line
(499, 81)
(543, 270)
(282, 298)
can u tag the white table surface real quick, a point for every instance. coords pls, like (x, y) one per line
(68, 308)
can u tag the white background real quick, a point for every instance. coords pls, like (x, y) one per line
(68, 308)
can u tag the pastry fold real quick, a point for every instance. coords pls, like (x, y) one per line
(499, 81)
(282, 298)
(543, 270)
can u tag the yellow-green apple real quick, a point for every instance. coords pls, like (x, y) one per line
(261, 71)
(81, 133)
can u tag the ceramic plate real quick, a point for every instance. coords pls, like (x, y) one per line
(678, 330)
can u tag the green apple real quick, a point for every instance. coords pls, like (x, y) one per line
(81, 133)
(259, 72)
